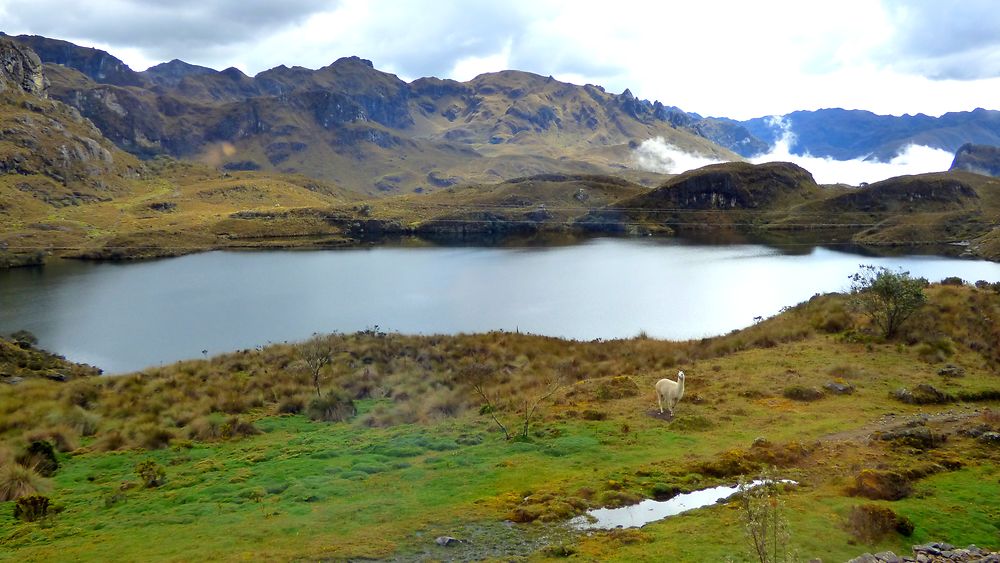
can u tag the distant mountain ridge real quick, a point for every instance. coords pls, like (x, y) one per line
(373, 133)
(849, 134)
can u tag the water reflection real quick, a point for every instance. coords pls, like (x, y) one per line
(126, 317)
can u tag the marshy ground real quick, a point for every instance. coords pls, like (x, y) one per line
(248, 473)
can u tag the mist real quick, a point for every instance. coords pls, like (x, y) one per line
(657, 155)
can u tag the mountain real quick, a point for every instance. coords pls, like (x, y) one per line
(66, 188)
(981, 159)
(368, 130)
(850, 134)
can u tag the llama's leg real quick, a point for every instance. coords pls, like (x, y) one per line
(659, 399)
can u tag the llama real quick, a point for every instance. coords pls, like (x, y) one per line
(670, 392)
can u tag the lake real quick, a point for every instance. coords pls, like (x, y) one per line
(124, 317)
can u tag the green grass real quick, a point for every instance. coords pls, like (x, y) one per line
(421, 461)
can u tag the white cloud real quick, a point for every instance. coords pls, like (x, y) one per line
(716, 57)
(913, 159)
(656, 155)
(470, 67)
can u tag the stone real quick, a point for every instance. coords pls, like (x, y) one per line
(839, 388)
(951, 370)
(446, 541)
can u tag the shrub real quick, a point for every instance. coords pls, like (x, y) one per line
(236, 428)
(888, 298)
(17, 481)
(61, 436)
(41, 455)
(82, 421)
(291, 405)
(31, 507)
(953, 280)
(333, 407)
(799, 393)
(764, 521)
(151, 473)
(881, 485)
(871, 522)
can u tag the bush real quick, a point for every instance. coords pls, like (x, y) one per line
(888, 298)
(333, 407)
(17, 481)
(870, 523)
(151, 473)
(31, 507)
(24, 339)
(881, 485)
(953, 280)
(799, 393)
(40, 455)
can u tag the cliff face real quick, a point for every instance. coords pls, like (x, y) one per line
(20, 69)
(50, 151)
(981, 159)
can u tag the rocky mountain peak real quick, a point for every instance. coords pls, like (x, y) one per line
(171, 73)
(20, 69)
(981, 159)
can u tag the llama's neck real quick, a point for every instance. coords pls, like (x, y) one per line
(680, 389)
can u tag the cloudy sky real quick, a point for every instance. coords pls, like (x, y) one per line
(736, 58)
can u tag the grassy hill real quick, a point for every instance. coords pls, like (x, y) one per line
(248, 473)
(924, 209)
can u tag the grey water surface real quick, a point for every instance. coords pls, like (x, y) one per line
(124, 317)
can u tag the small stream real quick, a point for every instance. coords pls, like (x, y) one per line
(638, 515)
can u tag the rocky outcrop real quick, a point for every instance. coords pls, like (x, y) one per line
(20, 69)
(731, 185)
(934, 552)
(931, 192)
(980, 159)
(100, 66)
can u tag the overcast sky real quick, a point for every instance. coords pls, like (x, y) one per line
(739, 58)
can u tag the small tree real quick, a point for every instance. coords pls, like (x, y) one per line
(478, 374)
(888, 298)
(762, 514)
(317, 352)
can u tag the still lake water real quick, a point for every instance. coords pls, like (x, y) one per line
(124, 317)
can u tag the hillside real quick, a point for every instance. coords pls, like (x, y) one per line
(367, 130)
(409, 452)
(926, 209)
(66, 189)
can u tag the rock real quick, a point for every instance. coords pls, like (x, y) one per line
(887, 557)
(981, 159)
(952, 370)
(992, 438)
(920, 437)
(14, 380)
(446, 541)
(864, 558)
(20, 69)
(839, 388)
(922, 394)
